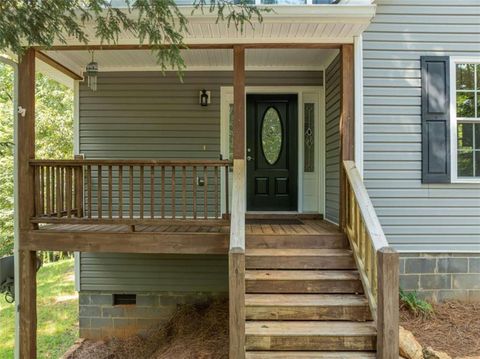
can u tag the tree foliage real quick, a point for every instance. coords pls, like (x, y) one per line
(158, 23)
(54, 138)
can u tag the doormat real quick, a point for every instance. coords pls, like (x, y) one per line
(273, 221)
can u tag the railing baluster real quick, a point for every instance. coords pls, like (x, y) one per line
(215, 191)
(120, 191)
(152, 192)
(42, 190)
(163, 191)
(36, 190)
(59, 192)
(68, 191)
(184, 192)
(110, 191)
(227, 190)
(79, 190)
(99, 192)
(174, 195)
(142, 179)
(194, 191)
(53, 189)
(89, 190)
(205, 186)
(131, 192)
(47, 188)
(358, 220)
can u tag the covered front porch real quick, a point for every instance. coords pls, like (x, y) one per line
(156, 171)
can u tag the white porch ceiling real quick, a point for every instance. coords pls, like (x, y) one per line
(198, 60)
(287, 24)
(337, 23)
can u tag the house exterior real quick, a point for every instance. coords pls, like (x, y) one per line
(354, 123)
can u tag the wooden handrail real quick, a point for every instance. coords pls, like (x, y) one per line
(236, 259)
(116, 191)
(134, 162)
(377, 262)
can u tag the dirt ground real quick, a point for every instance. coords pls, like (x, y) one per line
(453, 328)
(194, 332)
(201, 332)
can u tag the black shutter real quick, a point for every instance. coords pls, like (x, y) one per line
(435, 119)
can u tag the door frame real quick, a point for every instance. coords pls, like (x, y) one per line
(316, 94)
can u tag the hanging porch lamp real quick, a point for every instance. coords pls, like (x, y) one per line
(92, 73)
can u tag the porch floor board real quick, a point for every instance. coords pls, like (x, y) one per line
(310, 226)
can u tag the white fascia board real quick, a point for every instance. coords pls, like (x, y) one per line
(345, 13)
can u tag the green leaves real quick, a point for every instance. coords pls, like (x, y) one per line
(54, 138)
(414, 304)
(159, 23)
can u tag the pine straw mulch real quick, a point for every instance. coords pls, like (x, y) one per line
(194, 332)
(453, 328)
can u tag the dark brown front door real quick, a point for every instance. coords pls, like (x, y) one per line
(272, 152)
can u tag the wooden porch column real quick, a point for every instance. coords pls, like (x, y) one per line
(236, 255)
(388, 303)
(26, 151)
(347, 125)
(239, 102)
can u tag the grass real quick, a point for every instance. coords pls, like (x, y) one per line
(57, 304)
(414, 304)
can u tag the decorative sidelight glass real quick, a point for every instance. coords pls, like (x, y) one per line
(309, 137)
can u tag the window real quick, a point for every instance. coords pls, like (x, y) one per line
(309, 137)
(465, 115)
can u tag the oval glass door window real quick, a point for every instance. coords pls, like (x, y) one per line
(271, 135)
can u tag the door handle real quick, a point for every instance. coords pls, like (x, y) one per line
(249, 158)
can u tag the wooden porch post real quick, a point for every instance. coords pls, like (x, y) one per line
(236, 256)
(347, 125)
(239, 102)
(26, 151)
(388, 303)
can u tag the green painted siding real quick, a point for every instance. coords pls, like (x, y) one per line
(147, 115)
(332, 140)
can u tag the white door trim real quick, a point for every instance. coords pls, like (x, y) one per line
(226, 99)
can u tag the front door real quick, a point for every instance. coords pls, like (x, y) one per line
(272, 153)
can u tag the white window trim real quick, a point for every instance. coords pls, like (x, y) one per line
(454, 119)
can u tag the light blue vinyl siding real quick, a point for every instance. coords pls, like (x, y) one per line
(415, 216)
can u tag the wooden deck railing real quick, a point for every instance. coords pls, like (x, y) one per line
(377, 262)
(127, 191)
(236, 259)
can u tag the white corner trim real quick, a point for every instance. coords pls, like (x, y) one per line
(76, 117)
(358, 95)
(76, 151)
(453, 118)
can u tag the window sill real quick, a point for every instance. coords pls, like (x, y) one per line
(466, 180)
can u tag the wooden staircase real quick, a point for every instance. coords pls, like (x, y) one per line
(317, 291)
(304, 299)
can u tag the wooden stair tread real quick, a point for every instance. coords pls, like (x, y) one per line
(308, 355)
(284, 275)
(309, 328)
(307, 252)
(304, 300)
(300, 240)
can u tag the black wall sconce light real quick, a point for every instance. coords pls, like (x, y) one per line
(205, 97)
